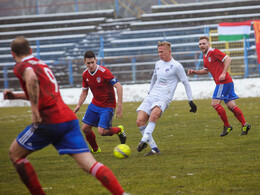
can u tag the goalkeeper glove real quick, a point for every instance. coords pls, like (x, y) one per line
(193, 107)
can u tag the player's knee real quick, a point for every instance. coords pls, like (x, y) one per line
(86, 129)
(140, 123)
(231, 107)
(213, 104)
(155, 116)
(102, 132)
(12, 156)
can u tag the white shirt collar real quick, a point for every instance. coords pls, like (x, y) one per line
(27, 57)
(208, 52)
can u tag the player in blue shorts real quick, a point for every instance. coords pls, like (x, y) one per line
(53, 122)
(100, 112)
(217, 63)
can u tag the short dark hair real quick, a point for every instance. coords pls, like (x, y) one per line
(89, 54)
(204, 37)
(20, 46)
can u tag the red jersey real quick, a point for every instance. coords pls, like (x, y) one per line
(100, 86)
(214, 62)
(51, 106)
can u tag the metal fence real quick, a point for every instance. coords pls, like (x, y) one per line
(130, 55)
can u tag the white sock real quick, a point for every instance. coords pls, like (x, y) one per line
(151, 141)
(148, 131)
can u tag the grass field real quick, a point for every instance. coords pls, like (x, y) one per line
(193, 160)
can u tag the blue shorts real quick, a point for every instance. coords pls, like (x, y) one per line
(225, 92)
(99, 117)
(65, 137)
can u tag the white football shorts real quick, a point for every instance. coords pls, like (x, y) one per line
(150, 102)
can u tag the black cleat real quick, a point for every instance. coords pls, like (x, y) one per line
(141, 146)
(245, 129)
(153, 151)
(226, 130)
(122, 135)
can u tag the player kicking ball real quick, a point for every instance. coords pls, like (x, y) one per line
(100, 111)
(167, 74)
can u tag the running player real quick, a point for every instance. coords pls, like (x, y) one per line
(217, 63)
(101, 110)
(167, 74)
(53, 122)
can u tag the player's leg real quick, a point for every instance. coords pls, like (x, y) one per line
(142, 118)
(87, 162)
(17, 155)
(91, 138)
(215, 103)
(221, 93)
(230, 102)
(73, 143)
(155, 115)
(143, 113)
(105, 125)
(90, 119)
(239, 115)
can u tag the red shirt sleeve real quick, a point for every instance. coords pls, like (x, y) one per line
(219, 55)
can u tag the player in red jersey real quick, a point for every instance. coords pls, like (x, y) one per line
(53, 122)
(217, 63)
(101, 110)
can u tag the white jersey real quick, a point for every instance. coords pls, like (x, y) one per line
(165, 79)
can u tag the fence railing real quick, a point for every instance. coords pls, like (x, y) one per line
(131, 55)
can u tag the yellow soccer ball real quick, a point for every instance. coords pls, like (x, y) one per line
(122, 151)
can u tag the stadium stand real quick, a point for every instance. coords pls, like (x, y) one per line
(55, 17)
(128, 45)
(203, 5)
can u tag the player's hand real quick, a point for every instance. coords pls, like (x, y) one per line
(119, 111)
(193, 107)
(222, 77)
(76, 109)
(8, 95)
(191, 72)
(36, 118)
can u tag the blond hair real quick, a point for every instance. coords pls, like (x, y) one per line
(164, 43)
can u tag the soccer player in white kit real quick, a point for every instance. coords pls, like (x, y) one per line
(167, 74)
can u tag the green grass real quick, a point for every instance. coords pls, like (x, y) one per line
(193, 160)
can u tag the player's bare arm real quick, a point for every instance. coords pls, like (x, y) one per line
(202, 71)
(227, 63)
(119, 91)
(82, 98)
(9, 95)
(33, 89)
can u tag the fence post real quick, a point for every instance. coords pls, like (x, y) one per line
(38, 55)
(245, 59)
(71, 73)
(6, 84)
(117, 8)
(198, 63)
(101, 51)
(206, 31)
(133, 70)
(37, 7)
(164, 36)
(76, 6)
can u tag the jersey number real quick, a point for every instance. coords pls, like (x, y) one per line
(51, 77)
